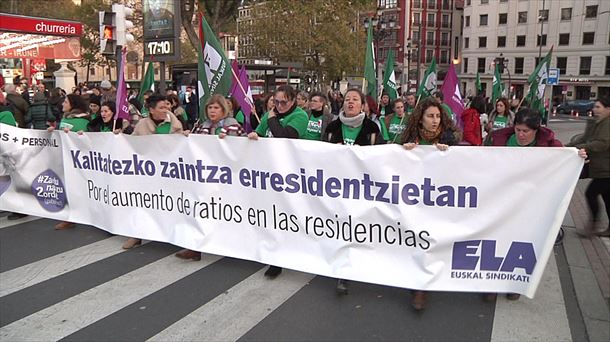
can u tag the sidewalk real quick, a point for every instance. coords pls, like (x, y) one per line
(589, 265)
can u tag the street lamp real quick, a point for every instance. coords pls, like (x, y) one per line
(382, 28)
(503, 65)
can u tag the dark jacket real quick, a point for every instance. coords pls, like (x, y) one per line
(596, 141)
(38, 115)
(544, 137)
(369, 134)
(389, 109)
(20, 107)
(97, 124)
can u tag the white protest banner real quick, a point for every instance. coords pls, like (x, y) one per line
(468, 219)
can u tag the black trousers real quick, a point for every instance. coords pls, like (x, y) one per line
(598, 186)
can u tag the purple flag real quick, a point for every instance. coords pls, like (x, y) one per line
(243, 96)
(122, 105)
(451, 93)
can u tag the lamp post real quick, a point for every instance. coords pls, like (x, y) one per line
(504, 66)
(382, 28)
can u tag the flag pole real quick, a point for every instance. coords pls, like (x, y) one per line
(244, 91)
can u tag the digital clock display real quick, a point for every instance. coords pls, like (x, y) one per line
(159, 48)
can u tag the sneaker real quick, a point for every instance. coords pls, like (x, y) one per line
(16, 216)
(513, 296)
(341, 287)
(273, 271)
(188, 254)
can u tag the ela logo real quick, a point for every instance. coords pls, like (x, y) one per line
(519, 255)
(212, 61)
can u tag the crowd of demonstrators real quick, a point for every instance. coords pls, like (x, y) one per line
(349, 119)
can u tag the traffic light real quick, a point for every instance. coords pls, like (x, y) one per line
(500, 62)
(107, 33)
(122, 24)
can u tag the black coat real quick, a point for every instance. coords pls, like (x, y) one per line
(369, 134)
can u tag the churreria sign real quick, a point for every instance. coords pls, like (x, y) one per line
(467, 255)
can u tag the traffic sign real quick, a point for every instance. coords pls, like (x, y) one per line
(553, 76)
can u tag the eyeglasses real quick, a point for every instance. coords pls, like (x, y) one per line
(278, 102)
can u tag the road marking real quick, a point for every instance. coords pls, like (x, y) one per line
(75, 313)
(233, 313)
(5, 222)
(543, 318)
(39, 271)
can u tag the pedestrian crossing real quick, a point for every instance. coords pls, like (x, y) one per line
(80, 285)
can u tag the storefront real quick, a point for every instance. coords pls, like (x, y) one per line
(26, 43)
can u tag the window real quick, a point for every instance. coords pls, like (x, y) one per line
(503, 0)
(483, 2)
(518, 65)
(520, 40)
(414, 55)
(444, 38)
(467, 22)
(588, 38)
(415, 37)
(566, 13)
(564, 39)
(430, 38)
(585, 65)
(522, 18)
(537, 61)
(483, 20)
(416, 3)
(429, 55)
(389, 3)
(92, 71)
(543, 15)
(591, 11)
(466, 43)
(466, 65)
(480, 64)
(501, 41)
(431, 4)
(416, 18)
(431, 20)
(607, 66)
(444, 56)
(482, 42)
(446, 4)
(468, 2)
(541, 41)
(502, 18)
(445, 21)
(562, 65)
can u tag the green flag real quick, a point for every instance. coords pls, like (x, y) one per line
(537, 83)
(477, 84)
(213, 69)
(148, 82)
(428, 83)
(498, 86)
(369, 66)
(389, 78)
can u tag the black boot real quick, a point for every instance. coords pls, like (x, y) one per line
(273, 271)
(341, 287)
(16, 216)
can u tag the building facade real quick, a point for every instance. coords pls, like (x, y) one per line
(521, 31)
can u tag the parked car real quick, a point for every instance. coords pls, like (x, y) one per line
(580, 106)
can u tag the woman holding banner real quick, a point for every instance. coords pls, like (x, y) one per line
(352, 128)
(428, 125)
(159, 121)
(285, 120)
(525, 132)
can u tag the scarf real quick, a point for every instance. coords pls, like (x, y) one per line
(352, 121)
(430, 136)
(317, 113)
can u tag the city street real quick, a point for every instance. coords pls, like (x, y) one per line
(79, 285)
